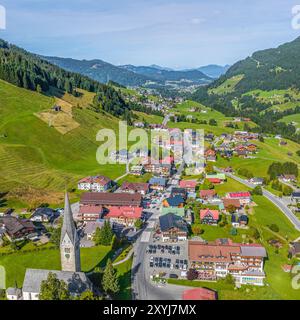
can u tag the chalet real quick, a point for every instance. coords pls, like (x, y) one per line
(210, 155)
(188, 185)
(217, 259)
(243, 197)
(95, 184)
(43, 215)
(90, 212)
(16, 228)
(108, 200)
(242, 153)
(173, 228)
(251, 147)
(208, 216)
(157, 183)
(231, 203)
(125, 216)
(239, 220)
(208, 194)
(174, 202)
(243, 220)
(130, 187)
(199, 294)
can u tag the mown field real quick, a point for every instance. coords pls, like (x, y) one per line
(34, 154)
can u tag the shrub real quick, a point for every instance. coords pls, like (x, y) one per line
(274, 227)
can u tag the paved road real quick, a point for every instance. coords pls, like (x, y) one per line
(142, 287)
(276, 200)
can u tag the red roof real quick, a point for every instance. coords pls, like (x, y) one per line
(126, 212)
(214, 180)
(240, 194)
(187, 184)
(199, 294)
(213, 213)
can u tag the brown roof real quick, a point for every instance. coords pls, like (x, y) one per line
(231, 202)
(111, 199)
(199, 251)
(135, 186)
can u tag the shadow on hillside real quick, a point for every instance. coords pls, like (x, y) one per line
(3, 200)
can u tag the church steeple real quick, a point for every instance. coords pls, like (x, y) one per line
(69, 242)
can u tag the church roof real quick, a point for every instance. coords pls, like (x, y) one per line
(77, 282)
(68, 224)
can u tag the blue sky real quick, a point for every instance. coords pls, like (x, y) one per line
(174, 33)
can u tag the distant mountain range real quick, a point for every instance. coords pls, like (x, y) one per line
(148, 76)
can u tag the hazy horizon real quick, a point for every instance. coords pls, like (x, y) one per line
(175, 34)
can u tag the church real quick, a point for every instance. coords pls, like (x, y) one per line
(70, 273)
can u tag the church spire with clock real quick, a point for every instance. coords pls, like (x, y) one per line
(69, 242)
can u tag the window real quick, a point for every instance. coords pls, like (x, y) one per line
(67, 250)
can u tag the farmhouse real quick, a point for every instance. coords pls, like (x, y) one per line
(210, 217)
(16, 228)
(158, 183)
(43, 215)
(173, 228)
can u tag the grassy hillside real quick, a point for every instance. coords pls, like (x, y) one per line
(36, 155)
(269, 152)
(293, 119)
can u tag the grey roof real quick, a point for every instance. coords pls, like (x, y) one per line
(13, 291)
(68, 224)
(77, 281)
(170, 221)
(253, 251)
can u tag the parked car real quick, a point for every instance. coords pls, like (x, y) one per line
(173, 276)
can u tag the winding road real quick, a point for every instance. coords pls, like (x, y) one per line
(270, 196)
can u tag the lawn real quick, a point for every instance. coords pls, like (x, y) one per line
(124, 273)
(264, 214)
(269, 152)
(16, 264)
(227, 86)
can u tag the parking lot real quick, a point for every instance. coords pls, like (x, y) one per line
(171, 259)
